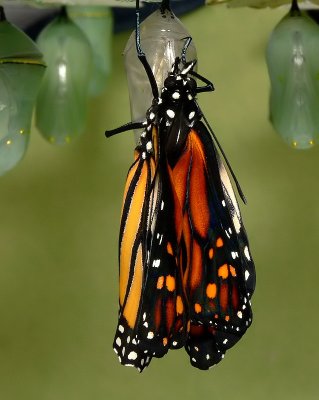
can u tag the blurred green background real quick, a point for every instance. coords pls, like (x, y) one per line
(59, 219)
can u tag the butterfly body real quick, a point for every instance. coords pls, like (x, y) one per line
(186, 275)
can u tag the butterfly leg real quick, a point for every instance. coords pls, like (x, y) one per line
(124, 128)
(209, 87)
(141, 55)
(165, 6)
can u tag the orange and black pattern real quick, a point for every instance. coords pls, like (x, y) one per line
(186, 273)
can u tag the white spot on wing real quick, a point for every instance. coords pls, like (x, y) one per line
(178, 135)
(191, 115)
(156, 263)
(121, 328)
(150, 335)
(240, 314)
(132, 355)
(170, 113)
(160, 242)
(246, 251)
(246, 275)
(118, 341)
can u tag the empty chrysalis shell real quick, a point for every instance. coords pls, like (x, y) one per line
(62, 101)
(162, 39)
(97, 24)
(21, 71)
(293, 64)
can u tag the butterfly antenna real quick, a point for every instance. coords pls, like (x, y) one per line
(241, 193)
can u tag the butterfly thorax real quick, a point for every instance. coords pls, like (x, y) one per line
(179, 110)
(173, 114)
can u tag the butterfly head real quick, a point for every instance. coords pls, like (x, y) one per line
(179, 84)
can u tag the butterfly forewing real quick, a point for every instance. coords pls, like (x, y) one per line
(132, 263)
(216, 249)
(152, 311)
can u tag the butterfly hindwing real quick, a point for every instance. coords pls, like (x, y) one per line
(202, 347)
(162, 306)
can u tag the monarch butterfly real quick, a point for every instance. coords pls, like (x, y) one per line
(186, 273)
